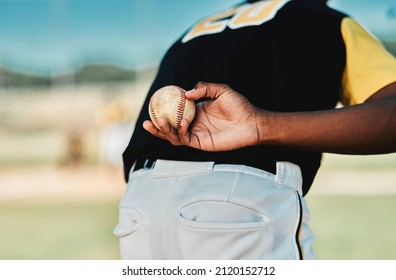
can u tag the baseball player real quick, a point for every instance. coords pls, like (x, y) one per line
(266, 77)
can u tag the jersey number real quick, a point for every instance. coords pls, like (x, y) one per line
(245, 15)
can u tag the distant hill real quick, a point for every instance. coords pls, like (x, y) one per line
(91, 73)
(94, 73)
(11, 78)
(103, 73)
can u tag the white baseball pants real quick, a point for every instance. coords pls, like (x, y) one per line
(202, 210)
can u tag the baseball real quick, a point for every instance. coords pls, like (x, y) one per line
(171, 103)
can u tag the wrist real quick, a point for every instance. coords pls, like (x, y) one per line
(266, 126)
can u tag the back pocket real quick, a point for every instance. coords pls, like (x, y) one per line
(222, 230)
(221, 215)
(130, 220)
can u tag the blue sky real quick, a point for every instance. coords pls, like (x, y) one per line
(54, 36)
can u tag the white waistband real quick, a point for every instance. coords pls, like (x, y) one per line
(287, 173)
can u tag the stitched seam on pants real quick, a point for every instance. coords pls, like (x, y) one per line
(236, 181)
(279, 173)
(243, 169)
(298, 230)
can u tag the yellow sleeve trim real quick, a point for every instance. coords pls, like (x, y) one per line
(369, 66)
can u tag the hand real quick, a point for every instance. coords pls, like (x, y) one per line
(226, 121)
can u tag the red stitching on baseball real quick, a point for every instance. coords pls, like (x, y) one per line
(180, 108)
(154, 116)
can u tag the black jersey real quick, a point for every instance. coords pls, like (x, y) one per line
(283, 55)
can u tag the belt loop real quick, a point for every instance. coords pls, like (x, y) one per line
(149, 164)
(289, 174)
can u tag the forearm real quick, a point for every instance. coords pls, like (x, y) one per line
(368, 128)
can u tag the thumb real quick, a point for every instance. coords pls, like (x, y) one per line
(206, 90)
(195, 94)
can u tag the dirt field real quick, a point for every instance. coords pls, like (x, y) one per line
(104, 183)
(61, 183)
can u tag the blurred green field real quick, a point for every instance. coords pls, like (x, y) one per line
(354, 227)
(62, 231)
(347, 227)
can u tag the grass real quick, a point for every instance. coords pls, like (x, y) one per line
(354, 227)
(65, 231)
(362, 228)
